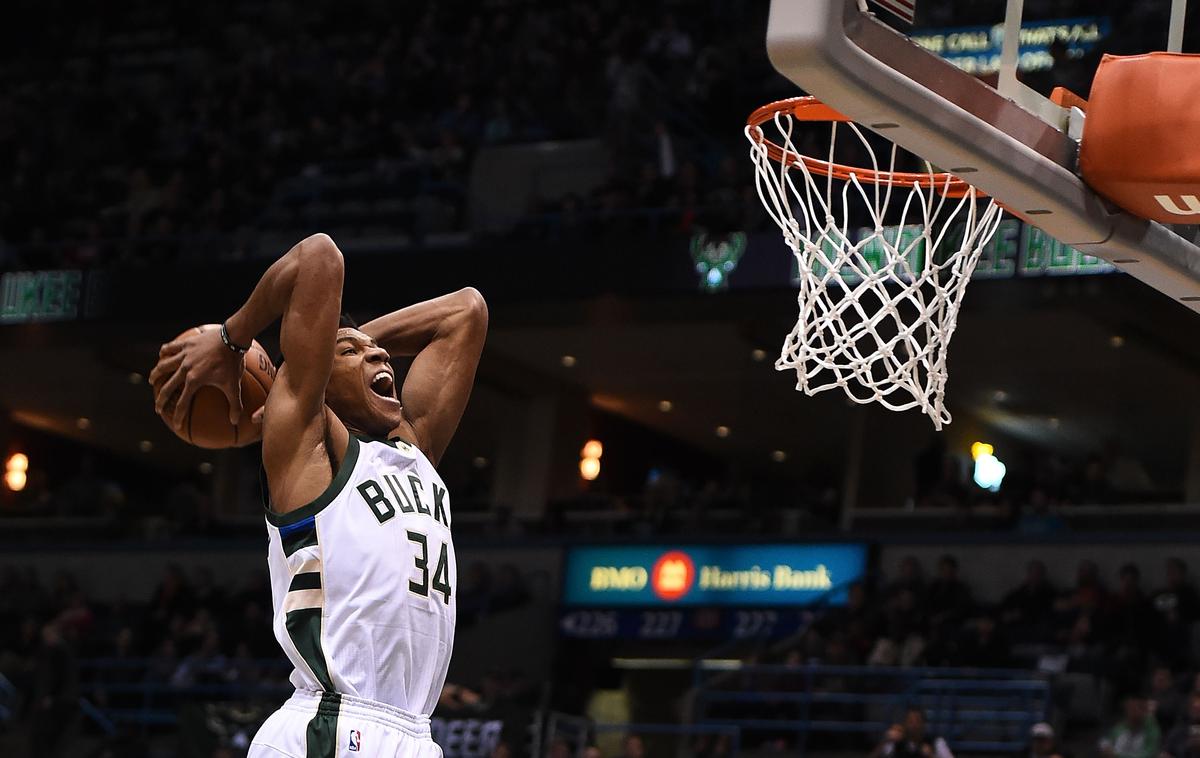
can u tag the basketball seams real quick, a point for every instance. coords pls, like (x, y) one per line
(191, 407)
(252, 374)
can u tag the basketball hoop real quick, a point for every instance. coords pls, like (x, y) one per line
(883, 258)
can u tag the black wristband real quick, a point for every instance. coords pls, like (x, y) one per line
(229, 343)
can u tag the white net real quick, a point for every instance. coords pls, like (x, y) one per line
(882, 260)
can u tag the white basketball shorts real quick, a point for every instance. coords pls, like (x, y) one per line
(329, 725)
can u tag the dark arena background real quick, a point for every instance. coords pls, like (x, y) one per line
(664, 550)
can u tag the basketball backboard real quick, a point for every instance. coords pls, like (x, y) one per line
(1007, 141)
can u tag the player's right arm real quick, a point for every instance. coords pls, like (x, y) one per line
(304, 288)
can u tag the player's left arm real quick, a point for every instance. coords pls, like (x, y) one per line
(446, 335)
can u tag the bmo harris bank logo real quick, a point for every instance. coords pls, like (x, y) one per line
(673, 575)
(670, 578)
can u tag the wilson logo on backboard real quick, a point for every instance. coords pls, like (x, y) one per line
(673, 575)
(1170, 206)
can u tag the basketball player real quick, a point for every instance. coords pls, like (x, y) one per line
(362, 565)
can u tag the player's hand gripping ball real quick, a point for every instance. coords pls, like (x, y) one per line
(209, 395)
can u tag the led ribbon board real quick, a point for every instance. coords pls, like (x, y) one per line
(976, 49)
(708, 575)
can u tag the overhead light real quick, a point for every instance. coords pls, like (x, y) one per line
(1000, 396)
(206, 468)
(567, 361)
(989, 470)
(758, 355)
(589, 459)
(722, 431)
(589, 468)
(15, 469)
(135, 378)
(479, 462)
(665, 406)
(83, 423)
(15, 480)
(778, 456)
(145, 446)
(1116, 341)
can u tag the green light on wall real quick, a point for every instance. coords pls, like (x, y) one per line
(716, 258)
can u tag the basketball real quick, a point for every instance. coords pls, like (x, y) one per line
(206, 422)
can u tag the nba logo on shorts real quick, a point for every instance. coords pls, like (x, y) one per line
(355, 740)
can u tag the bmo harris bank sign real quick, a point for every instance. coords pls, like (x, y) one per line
(712, 575)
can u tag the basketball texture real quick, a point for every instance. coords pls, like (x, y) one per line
(206, 422)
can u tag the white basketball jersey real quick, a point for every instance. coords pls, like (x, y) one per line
(363, 580)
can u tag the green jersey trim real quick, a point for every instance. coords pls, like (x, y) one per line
(325, 498)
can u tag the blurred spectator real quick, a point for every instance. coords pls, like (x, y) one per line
(909, 576)
(1131, 625)
(1183, 741)
(984, 645)
(1084, 647)
(1088, 594)
(669, 43)
(205, 666)
(1041, 742)
(558, 748)
(455, 697)
(164, 662)
(903, 642)
(1126, 475)
(1040, 517)
(858, 623)
(76, 617)
(711, 746)
(910, 740)
(1136, 735)
(502, 750)
(173, 598)
(1178, 606)
(1166, 701)
(55, 693)
(947, 599)
(1026, 610)
(633, 747)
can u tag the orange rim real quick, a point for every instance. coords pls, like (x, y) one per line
(812, 109)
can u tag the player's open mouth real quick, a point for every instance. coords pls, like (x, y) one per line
(383, 384)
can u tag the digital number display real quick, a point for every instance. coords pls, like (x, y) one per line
(699, 624)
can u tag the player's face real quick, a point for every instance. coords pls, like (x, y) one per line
(362, 385)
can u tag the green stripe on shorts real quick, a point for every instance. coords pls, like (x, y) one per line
(321, 736)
